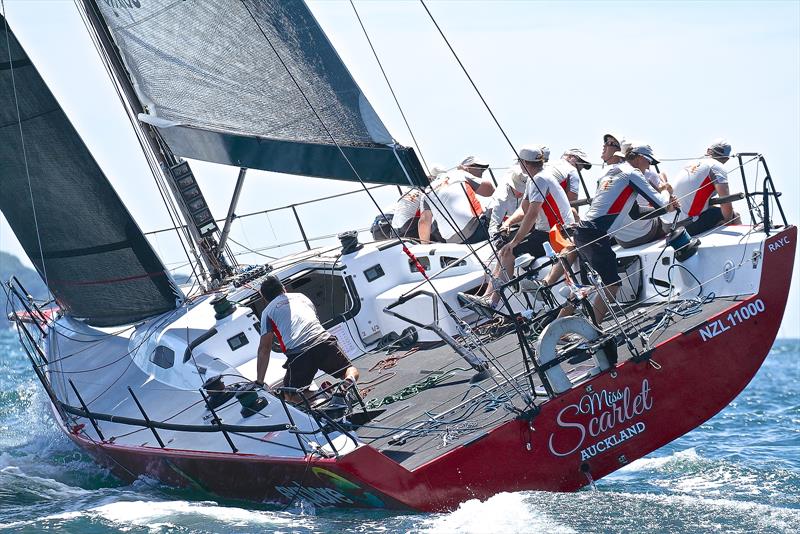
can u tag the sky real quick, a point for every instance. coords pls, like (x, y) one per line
(674, 74)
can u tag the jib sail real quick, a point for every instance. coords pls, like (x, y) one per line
(65, 213)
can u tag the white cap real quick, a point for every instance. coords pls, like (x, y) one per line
(624, 148)
(534, 154)
(581, 155)
(720, 148)
(435, 170)
(518, 180)
(474, 161)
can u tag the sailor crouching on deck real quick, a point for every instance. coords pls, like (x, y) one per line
(309, 348)
(615, 195)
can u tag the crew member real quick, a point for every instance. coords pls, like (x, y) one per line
(453, 206)
(506, 199)
(565, 171)
(610, 210)
(292, 319)
(697, 183)
(544, 206)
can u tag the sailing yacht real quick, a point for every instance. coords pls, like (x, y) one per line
(154, 378)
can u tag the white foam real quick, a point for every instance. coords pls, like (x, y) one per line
(770, 518)
(645, 464)
(170, 514)
(504, 512)
(46, 488)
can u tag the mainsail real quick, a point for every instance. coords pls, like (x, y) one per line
(65, 213)
(253, 83)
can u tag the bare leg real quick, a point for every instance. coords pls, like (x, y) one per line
(599, 305)
(557, 270)
(503, 272)
(351, 373)
(424, 226)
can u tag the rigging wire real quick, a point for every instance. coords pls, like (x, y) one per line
(389, 84)
(24, 150)
(336, 143)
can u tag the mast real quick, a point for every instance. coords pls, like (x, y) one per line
(197, 222)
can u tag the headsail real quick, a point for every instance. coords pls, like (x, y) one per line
(63, 210)
(235, 81)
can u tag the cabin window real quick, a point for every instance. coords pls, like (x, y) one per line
(425, 261)
(447, 261)
(163, 357)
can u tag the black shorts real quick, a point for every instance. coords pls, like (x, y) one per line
(326, 356)
(533, 244)
(481, 233)
(706, 221)
(595, 248)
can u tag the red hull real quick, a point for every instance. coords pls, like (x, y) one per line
(615, 418)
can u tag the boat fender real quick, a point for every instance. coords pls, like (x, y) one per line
(549, 339)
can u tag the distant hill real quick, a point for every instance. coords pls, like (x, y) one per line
(10, 266)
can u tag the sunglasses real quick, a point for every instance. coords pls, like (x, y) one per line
(608, 143)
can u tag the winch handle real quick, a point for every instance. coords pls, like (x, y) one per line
(724, 200)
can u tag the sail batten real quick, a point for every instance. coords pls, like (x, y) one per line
(65, 213)
(236, 82)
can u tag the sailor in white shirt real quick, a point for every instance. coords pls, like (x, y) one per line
(697, 183)
(640, 231)
(506, 198)
(453, 204)
(545, 206)
(565, 171)
(610, 211)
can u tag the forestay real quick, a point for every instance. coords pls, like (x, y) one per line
(93, 256)
(253, 83)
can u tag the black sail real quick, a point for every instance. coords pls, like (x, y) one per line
(253, 83)
(65, 213)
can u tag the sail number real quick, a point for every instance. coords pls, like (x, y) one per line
(735, 318)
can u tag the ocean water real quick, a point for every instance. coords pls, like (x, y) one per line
(739, 472)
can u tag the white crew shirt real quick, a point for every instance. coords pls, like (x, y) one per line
(544, 188)
(293, 319)
(566, 175)
(695, 184)
(455, 196)
(636, 228)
